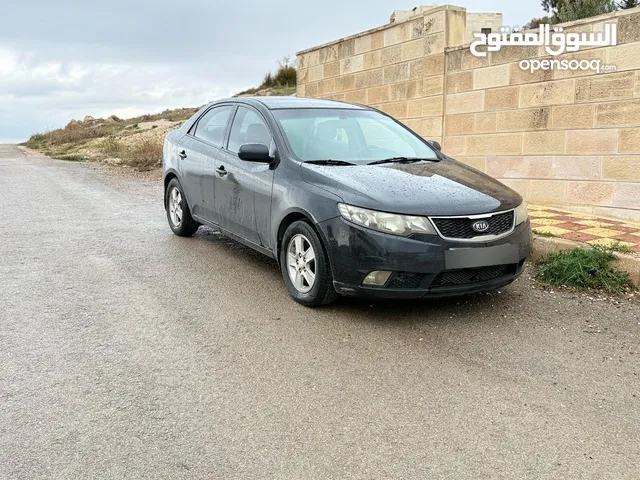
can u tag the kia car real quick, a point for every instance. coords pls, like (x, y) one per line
(345, 198)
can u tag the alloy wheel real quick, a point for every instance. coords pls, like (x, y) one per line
(175, 207)
(301, 263)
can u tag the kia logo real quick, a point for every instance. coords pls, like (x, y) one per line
(480, 226)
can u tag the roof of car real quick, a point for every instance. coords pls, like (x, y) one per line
(274, 103)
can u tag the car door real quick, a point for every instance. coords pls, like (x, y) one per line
(200, 147)
(243, 189)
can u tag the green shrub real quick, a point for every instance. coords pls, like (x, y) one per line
(586, 268)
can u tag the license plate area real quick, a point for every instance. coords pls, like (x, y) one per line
(457, 258)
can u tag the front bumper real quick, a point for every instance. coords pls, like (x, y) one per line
(421, 265)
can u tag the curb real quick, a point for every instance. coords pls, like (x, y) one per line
(542, 246)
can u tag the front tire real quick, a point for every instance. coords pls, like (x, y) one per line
(305, 266)
(178, 213)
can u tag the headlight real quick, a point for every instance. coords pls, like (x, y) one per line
(386, 222)
(521, 213)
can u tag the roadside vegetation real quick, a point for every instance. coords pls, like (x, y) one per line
(136, 142)
(583, 268)
(282, 82)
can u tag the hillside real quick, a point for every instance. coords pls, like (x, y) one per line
(136, 142)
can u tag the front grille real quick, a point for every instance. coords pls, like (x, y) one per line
(405, 280)
(466, 276)
(460, 227)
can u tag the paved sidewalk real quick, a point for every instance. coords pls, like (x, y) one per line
(582, 227)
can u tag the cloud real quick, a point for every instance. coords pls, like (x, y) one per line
(66, 59)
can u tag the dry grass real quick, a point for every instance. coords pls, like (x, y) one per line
(142, 154)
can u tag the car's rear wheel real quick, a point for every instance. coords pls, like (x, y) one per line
(178, 213)
(305, 266)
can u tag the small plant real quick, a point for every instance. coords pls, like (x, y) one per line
(543, 234)
(587, 268)
(619, 247)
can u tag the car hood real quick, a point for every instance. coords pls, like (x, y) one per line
(447, 187)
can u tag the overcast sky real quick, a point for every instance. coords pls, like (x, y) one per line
(63, 59)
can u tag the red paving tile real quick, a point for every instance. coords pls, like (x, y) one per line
(578, 237)
(627, 237)
(571, 226)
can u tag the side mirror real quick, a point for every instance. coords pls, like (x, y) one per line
(435, 145)
(254, 152)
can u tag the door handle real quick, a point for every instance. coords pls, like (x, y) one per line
(182, 154)
(221, 171)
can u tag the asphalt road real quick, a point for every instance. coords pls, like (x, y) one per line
(127, 352)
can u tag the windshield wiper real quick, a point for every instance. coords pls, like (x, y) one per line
(402, 160)
(329, 162)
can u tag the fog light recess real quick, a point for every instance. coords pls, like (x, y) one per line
(377, 278)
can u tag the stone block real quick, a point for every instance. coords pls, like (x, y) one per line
(609, 86)
(547, 191)
(462, 124)
(373, 59)
(629, 140)
(501, 98)
(548, 93)
(577, 168)
(328, 54)
(460, 82)
(591, 193)
(413, 49)
(398, 91)
(624, 57)
(479, 163)
(346, 82)
(434, 22)
(627, 195)
(520, 186)
(491, 77)
(356, 96)
(455, 145)
(379, 94)
(327, 86)
(621, 167)
(569, 117)
(433, 86)
(346, 48)
(398, 34)
(519, 76)
(362, 44)
(391, 55)
(331, 69)
(377, 40)
(351, 64)
(434, 44)
(432, 106)
(486, 122)
(592, 141)
(417, 28)
(495, 144)
(618, 114)
(369, 78)
(396, 73)
(512, 54)
(316, 73)
(416, 68)
(302, 76)
(431, 127)
(471, 62)
(524, 120)
(543, 143)
(519, 166)
(629, 28)
(453, 60)
(465, 102)
(396, 109)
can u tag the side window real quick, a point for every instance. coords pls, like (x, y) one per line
(212, 125)
(248, 127)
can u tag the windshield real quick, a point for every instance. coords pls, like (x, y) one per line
(357, 136)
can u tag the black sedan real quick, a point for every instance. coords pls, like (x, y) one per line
(347, 200)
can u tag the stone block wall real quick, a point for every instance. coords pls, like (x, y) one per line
(564, 138)
(398, 68)
(569, 139)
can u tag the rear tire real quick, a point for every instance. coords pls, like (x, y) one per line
(178, 213)
(305, 266)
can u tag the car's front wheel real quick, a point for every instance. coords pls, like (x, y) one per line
(178, 213)
(305, 266)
